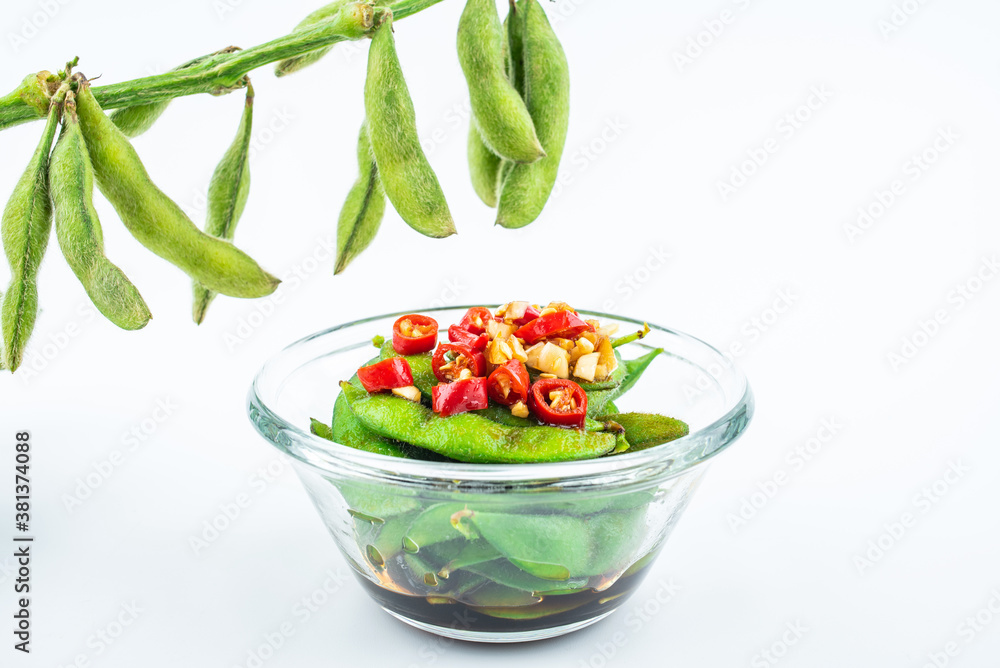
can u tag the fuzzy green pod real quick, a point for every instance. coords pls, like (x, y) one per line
(227, 196)
(155, 220)
(26, 225)
(364, 208)
(468, 437)
(79, 230)
(498, 111)
(353, 21)
(484, 168)
(526, 188)
(645, 430)
(407, 176)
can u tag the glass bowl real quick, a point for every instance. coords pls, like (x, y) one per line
(500, 552)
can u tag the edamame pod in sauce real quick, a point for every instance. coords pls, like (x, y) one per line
(407, 177)
(26, 225)
(471, 438)
(227, 196)
(79, 230)
(155, 220)
(526, 187)
(364, 208)
(498, 111)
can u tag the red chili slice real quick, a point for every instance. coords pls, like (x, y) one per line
(509, 383)
(530, 314)
(475, 319)
(458, 335)
(386, 375)
(451, 358)
(413, 334)
(468, 394)
(561, 324)
(559, 402)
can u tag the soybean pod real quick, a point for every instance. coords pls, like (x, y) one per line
(135, 120)
(362, 213)
(26, 225)
(353, 20)
(471, 438)
(499, 113)
(155, 220)
(526, 187)
(407, 176)
(227, 196)
(79, 230)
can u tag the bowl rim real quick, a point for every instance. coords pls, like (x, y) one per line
(338, 460)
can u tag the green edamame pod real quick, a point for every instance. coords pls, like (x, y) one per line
(353, 20)
(321, 429)
(348, 430)
(26, 225)
(420, 365)
(155, 220)
(407, 177)
(364, 208)
(227, 196)
(484, 168)
(79, 230)
(134, 121)
(514, 53)
(598, 400)
(472, 438)
(645, 430)
(498, 111)
(526, 187)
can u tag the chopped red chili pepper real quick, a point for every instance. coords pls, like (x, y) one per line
(530, 314)
(413, 334)
(561, 324)
(458, 335)
(475, 319)
(559, 402)
(468, 394)
(451, 359)
(386, 375)
(509, 383)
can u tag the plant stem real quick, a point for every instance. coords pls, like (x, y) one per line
(218, 73)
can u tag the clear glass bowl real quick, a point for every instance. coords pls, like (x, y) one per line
(500, 552)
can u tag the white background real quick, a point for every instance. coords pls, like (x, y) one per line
(650, 141)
